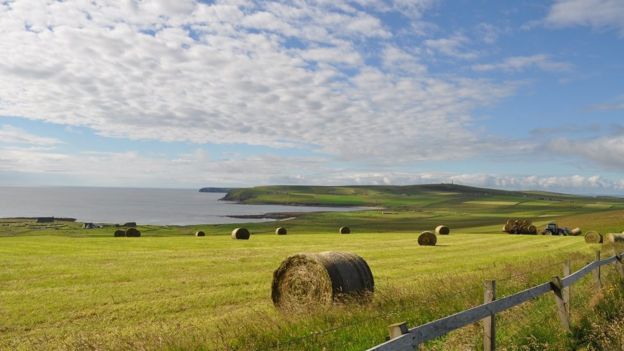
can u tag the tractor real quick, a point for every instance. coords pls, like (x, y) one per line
(553, 229)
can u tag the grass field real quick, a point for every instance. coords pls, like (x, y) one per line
(62, 287)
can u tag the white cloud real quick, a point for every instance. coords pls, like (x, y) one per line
(607, 152)
(13, 135)
(487, 33)
(453, 46)
(599, 14)
(132, 168)
(242, 72)
(198, 169)
(520, 63)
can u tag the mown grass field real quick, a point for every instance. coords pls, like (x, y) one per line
(62, 287)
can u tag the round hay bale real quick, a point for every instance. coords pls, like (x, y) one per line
(119, 233)
(344, 230)
(241, 234)
(133, 232)
(531, 229)
(311, 280)
(613, 238)
(200, 233)
(592, 237)
(506, 228)
(281, 231)
(576, 231)
(442, 230)
(427, 239)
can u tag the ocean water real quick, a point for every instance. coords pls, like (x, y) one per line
(144, 206)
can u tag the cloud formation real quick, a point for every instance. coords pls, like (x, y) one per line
(265, 73)
(598, 14)
(13, 135)
(198, 169)
(607, 152)
(520, 63)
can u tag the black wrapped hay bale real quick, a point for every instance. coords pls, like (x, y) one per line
(427, 239)
(344, 230)
(309, 280)
(200, 233)
(442, 230)
(133, 232)
(281, 231)
(119, 233)
(241, 234)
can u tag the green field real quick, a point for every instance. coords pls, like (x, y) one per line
(62, 287)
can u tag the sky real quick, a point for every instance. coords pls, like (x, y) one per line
(184, 94)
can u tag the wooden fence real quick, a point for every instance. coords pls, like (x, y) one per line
(403, 338)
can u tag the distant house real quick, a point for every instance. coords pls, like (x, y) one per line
(88, 226)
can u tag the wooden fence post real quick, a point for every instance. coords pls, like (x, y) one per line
(597, 281)
(566, 290)
(557, 287)
(489, 323)
(397, 329)
(618, 263)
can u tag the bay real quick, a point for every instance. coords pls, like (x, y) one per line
(141, 205)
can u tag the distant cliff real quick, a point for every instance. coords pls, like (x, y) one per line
(215, 190)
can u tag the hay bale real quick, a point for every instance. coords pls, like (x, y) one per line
(576, 231)
(133, 232)
(442, 230)
(427, 239)
(119, 233)
(281, 231)
(200, 233)
(241, 234)
(613, 238)
(531, 229)
(311, 280)
(344, 230)
(592, 237)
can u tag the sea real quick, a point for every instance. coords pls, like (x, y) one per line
(140, 205)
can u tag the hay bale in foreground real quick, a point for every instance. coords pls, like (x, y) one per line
(133, 232)
(592, 237)
(613, 238)
(344, 230)
(311, 280)
(200, 233)
(427, 239)
(241, 234)
(576, 231)
(119, 233)
(281, 231)
(442, 230)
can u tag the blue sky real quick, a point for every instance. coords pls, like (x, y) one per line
(506, 94)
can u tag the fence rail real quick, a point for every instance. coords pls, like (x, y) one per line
(410, 339)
